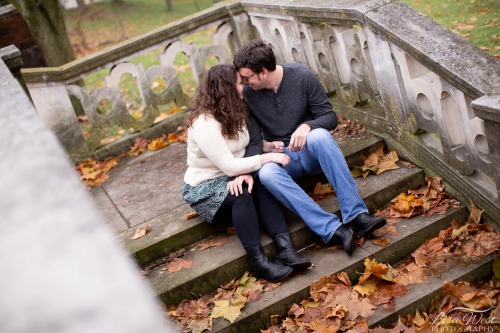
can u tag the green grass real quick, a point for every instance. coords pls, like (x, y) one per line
(106, 23)
(478, 21)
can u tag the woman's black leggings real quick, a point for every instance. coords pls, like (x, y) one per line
(248, 209)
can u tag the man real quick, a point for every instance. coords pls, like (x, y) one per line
(290, 107)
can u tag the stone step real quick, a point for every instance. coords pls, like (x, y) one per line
(214, 267)
(419, 298)
(169, 232)
(411, 234)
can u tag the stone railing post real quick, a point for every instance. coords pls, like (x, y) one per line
(488, 109)
(11, 56)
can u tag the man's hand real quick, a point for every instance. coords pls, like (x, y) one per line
(273, 147)
(236, 185)
(299, 138)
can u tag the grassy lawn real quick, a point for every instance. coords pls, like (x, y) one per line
(478, 21)
(105, 23)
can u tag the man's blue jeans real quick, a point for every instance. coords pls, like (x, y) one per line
(321, 154)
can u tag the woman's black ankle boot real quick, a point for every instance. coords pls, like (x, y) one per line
(264, 268)
(287, 255)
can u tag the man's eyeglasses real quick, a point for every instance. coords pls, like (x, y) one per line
(246, 78)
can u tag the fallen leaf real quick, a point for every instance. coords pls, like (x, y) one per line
(226, 310)
(177, 264)
(140, 145)
(157, 144)
(381, 241)
(211, 242)
(140, 232)
(189, 215)
(198, 325)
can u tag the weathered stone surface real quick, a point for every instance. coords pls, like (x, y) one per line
(468, 68)
(62, 271)
(147, 186)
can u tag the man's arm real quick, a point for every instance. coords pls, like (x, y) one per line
(323, 115)
(321, 111)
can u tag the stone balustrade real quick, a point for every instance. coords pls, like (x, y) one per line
(427, 91)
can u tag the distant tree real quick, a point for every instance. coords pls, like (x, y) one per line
(46, 22)
(82, 7)
(170, 6)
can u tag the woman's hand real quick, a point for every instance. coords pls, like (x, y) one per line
(279, 158)
(273, 147)
(235, 186)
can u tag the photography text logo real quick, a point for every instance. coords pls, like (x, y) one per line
(469, 321)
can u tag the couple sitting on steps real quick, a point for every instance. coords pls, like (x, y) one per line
(254, 129)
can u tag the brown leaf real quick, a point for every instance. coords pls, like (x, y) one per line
(140, 232)
(94, 172)
(381, 241)
(179, 136)
(482, 244)
(211, 242)
(387, 162)
(322, 189)
(476, 300)
(139, 147)
(177, 264)
(198, 325)
(190, 215)
(475, 214)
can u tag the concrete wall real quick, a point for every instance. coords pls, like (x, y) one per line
(61, 270)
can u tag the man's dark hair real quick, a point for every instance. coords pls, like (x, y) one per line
(255, 55)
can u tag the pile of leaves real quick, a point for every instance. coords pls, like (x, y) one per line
(427, 200)
(347, 128)
(94, 172)
(377, 162)
(196, 315)
(336, 305)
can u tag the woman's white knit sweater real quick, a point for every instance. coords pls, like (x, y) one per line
(210, 155)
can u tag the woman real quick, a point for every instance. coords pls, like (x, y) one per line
(217, 137)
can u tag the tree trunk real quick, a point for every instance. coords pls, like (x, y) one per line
(81, 6)
(46, 22)
(170, 6)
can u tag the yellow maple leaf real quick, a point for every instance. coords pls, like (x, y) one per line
(157, 144)
(366, 288)
(224, 309)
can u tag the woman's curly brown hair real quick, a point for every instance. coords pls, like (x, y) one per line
(219, 97)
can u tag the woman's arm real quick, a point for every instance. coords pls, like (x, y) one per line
(207, 134)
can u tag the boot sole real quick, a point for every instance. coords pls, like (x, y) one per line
(300, 266)
(275, 280)
(378, 224)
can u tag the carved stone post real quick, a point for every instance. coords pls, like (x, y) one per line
(11, 56)
(488, 109)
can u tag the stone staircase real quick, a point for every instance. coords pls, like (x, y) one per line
(215, 266)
